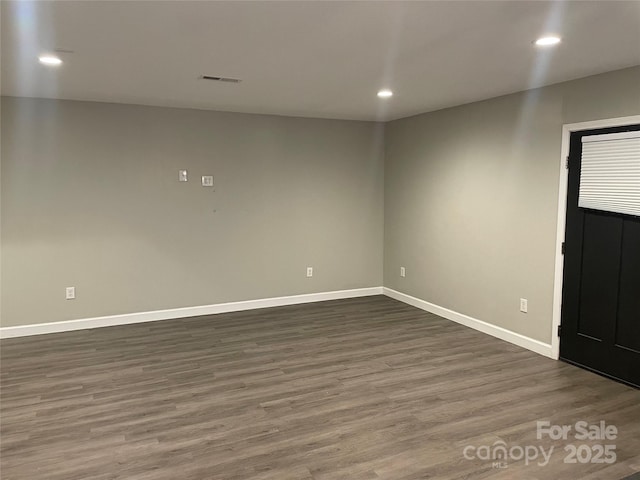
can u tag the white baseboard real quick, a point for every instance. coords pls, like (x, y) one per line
(140, 317)
(499, 332)
(124, 319)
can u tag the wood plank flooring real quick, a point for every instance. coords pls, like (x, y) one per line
(352, 389)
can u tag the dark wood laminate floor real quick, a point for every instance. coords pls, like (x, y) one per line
(351, 389)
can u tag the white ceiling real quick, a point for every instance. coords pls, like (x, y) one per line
(311, 58)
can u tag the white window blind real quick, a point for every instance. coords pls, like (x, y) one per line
(610, 173)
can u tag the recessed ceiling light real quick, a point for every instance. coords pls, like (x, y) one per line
(49, 60)
(547, 41)
(385, 93)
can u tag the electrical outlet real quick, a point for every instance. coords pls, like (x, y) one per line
(524, 305)
(70, 293)
(182, 175)
(403, 272)
(309, 271)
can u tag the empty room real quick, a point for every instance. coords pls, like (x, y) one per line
(320, 240)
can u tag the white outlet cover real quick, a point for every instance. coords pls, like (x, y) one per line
(70, 293)
(524, 305)
(207, 180)
(182, 175)
(309, 271)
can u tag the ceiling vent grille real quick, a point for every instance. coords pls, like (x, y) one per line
(220, 79)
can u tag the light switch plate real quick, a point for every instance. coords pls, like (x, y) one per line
(207, 180)
(182, 175)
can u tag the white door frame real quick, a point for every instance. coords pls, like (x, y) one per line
(567, 129)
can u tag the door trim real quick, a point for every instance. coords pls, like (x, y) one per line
(567, 129)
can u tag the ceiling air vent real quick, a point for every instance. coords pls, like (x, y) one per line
(220, 79)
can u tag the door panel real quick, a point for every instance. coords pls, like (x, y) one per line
(601, 287)
(628, 333)
(600, 266)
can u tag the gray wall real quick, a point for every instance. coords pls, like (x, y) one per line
(91, 198)
(471, 198)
